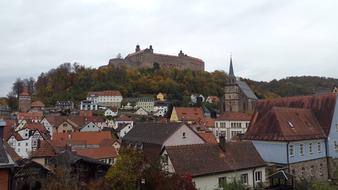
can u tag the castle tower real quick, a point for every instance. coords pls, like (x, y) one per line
(137, 49)
(25, 100)
(231, 92)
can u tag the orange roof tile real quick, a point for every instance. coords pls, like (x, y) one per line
(88, 138)
(98, 153)
(208, 137)
(234, 116)
(189, 114)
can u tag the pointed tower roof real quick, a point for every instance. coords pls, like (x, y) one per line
(231, 69)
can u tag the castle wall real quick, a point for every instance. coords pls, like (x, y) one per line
(146, 59)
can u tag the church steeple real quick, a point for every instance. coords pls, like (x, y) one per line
(232, 77)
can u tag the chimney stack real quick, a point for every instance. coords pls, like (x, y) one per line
(222, 142)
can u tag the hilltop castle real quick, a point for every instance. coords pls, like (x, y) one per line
(146, 58)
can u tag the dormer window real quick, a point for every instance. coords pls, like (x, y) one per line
(290, 124)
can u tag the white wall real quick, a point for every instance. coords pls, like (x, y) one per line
(211, 182)
(177, 138)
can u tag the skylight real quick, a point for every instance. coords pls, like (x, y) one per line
(290, 124)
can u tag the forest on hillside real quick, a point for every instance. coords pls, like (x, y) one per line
(73, 81)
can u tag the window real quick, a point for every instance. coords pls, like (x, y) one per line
(258, 176)
(165, 159)
(321, 169)
(319, 147)
(18, 149)
(335, 146)
(26, 144)
(222, 181)
(301, 149)
(244, 179)
(183, 134)
(291, 150)
(310, 148)
(18, 144)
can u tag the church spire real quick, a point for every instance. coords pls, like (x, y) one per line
(231, 69)
(232, 78)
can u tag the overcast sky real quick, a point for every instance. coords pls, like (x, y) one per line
(268, 38)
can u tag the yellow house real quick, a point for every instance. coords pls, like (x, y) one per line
(174, 116)
(187, 114)
(161, 96)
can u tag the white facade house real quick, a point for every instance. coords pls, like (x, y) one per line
(88, 105)
(48, 126)
(111, 112)
(147, 103)
(112, 98)
(160, 110)
(248, 169)
(230, 124)
(141, 111)
(24, 146)
(90, 127)
(123, 129)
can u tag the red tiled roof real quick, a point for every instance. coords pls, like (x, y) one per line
(30, 115)
(189, 114)
(105, 93)
(234, 116)
(208, 122)
(45, 150)
(9, 128)
(322, 107)
(98, 153)
(208, 137)
(37, 104)
(123, 118)
(286, 124)
(88, 138)
(35, 126)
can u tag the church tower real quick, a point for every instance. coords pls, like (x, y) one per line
(231, 92)
(24, 100)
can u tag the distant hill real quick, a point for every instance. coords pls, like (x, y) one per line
(293, 86)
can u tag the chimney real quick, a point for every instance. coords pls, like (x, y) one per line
(2, 126)
(151, 49)
(222, 142)
(137, 49)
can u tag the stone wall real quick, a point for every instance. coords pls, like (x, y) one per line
(310, 170)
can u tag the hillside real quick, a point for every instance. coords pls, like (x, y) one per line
(73, 81)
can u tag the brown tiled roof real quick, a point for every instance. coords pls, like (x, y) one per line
(38, 104)
(208, 122)
(30, 115)
(98, 153)
(11, 152)
(123, 118)
(9, 128)
(206, 159)
(189, 114)
(234, 116)
(242, 155)
(35, 126)
(88, 138)
(45, 150)
(208, 137)
(286, 124)
(322, 107)
(105, 93)
(76, 121)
